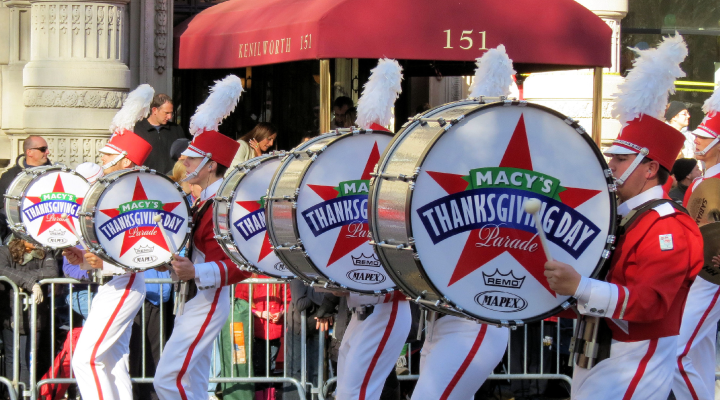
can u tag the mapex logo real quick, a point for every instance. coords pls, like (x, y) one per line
(147, 259)
(57, 240)
(280, 267)
(496, 300)
(144, 249)
(508, 280)
(366, 276)
(364, 261)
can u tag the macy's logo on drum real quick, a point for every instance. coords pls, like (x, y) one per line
(366, 276)
(496, 300)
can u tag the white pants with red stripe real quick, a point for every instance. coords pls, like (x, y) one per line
(100, 361)
(183, 370)
(370, 349)
(456, 358)
(695, 368)
(635, 370)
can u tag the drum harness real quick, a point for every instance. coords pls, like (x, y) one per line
(197, 212)
(593, 337)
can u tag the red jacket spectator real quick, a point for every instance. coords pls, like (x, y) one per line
(266, 325)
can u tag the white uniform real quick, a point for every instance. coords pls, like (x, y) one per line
(456, 358)
(695, 373)
(370, 348)
(100, 361)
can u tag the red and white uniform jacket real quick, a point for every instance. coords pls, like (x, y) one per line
(357, 300)
(712, 172)
(213, 268)
(652, 268)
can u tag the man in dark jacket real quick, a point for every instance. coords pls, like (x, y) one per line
(160, 133)
(35, 154)
(25, 265)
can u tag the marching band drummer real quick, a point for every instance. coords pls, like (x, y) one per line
(658, 252)
(695, 372)
(182, 372)
(100, 358)
(379, 325)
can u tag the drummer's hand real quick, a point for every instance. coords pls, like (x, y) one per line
(73, 255)
(184, 268)
(563, 278)
(323, 324)
(93, 260)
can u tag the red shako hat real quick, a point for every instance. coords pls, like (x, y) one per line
(710, 126)
(207, 141)
(642, 101)
(124, 142)
(136, 149)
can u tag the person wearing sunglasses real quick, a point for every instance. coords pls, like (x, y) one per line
(35, 154)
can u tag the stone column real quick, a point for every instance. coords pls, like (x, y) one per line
(77, 77)
(570, 92)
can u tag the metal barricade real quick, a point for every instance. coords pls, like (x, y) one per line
(265, 377)
(14, 384)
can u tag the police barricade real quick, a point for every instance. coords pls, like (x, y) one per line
(65, 286)
(540, 341)
(14, 383)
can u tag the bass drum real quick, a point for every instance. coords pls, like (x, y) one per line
(446, 209)
(239, 217)
(36, 200)
(317, 211)
(117, 218)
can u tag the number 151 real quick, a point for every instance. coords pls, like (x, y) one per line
(465, 40)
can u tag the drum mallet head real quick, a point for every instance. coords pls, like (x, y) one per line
(66, 217)
(532, 206)
(171, 246)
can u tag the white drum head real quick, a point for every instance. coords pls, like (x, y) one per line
(477, 245)
(332, 213)
(247, 216)
(46, 198)
(124, 223)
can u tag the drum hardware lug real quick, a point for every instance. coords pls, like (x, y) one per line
(326, 285)
(7, 196)
(608, 173)
(343, 286)
(522, 103)
(456, 120)
(581, 130)
(569, 121)
(565, 305)
(606, 254)
(423, 122)
(416, 256)
(412, 185)
(441, 121)
(411, 241)
(612, 187)
(507, 103)
(294, 205)
(297, 192)
(505, 322)
(437, 303)
(610, 239)
(519, 323)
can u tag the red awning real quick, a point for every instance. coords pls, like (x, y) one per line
(243, 33)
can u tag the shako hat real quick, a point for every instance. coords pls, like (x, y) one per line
(641, 104)
(379, 95)
(124, 142)
(207, 141)
(710, 126)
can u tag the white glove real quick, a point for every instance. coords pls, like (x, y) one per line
(37, 293)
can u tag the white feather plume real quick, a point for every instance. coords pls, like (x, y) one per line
(220, 103)
(712, 105)
(135, 108)
(379, 94)
(493, 75)
(646, 88)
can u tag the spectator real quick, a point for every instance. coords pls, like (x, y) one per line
(350, 117)
(160, 133)
(685, 170)
(678, 116)
(177, 148)
(35, 154)
(192, 192)
(153, 337)
(340, 106)
(254, 143)
(25, 265)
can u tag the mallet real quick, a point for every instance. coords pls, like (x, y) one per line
(532, 206)
(72, 229)
(182, 295)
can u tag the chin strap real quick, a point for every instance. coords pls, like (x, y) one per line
(640, 156)
(195, 173)
(710, 146)
(115, 161)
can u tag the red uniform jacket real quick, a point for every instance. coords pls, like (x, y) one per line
(207, 251)
(657, 280)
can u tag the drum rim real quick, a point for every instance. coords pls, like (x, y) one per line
(88, 211)
(42, 170)
(225, 237)
(329, 282)
(605, 257)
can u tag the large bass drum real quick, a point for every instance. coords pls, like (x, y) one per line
(36, 200)
(117, 218)
(239, 217)
(317, 211)
(447, 217)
